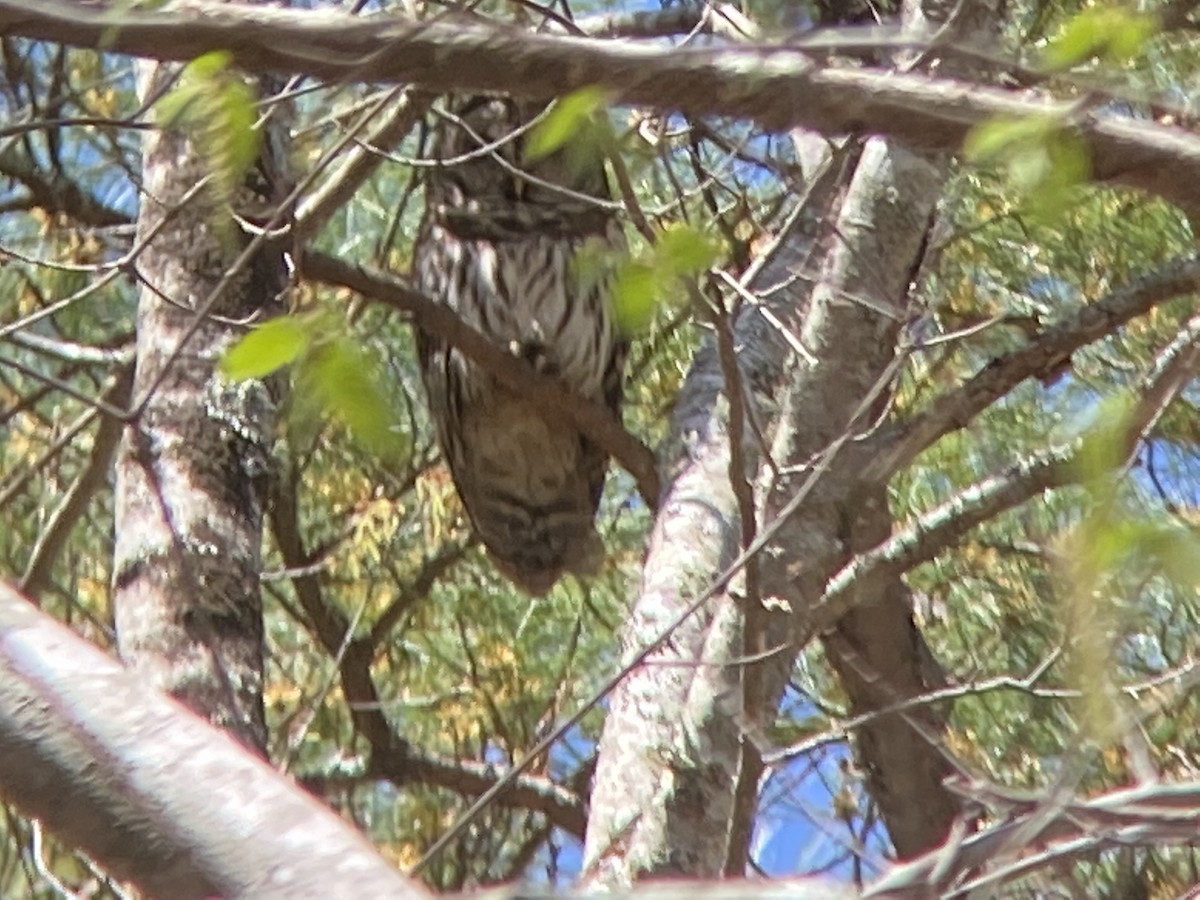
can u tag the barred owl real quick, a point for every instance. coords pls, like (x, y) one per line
(496, 246)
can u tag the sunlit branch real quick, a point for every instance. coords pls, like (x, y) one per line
(896, 446)
(777, 86)
(1027, 685)
(150, 791)
(937, 530)
(400, 111)
(69, 351)
(1148, 816)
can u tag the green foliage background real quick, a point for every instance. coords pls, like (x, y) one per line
(465, 668)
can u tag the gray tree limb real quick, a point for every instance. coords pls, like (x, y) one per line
(192, 468)
(152, 793)
(777, 86)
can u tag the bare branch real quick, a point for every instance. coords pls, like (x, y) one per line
(672, 889)
(1055, 467)
(391, 757)
(93, 476)
(69, 351)
(400, 110)
(57, 192)
(1143, 816)
(894, 447)
(589, 417)
(560, 806)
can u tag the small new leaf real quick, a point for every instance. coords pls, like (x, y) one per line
(685, 251)
(642, 284)
(1114, 35)
(344, 381)
(998, 138)
(570, 116)
(214, 107)
(1174, 550)
(635, 293)
(267, 348)
(1043, 161)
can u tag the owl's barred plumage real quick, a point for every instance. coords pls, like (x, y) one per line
(496, 246)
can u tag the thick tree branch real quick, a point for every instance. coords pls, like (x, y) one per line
(1149, 816)
(152, 793)
(1052, 468)
(779, 87)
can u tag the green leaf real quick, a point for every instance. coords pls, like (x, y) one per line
(643, 283)
(1114, 34)
(215, 108)
(569, 117)
(1043, 161)
(594, 261)
(998, 138)
(1106, 441)
(685, 250)
(267, 348)
(345, 381)
(1174, 550)
(231, 143)
(635, 293)
(177, 107)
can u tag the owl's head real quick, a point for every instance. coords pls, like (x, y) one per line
(480, 142)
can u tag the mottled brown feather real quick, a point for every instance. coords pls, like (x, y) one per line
(496, 245)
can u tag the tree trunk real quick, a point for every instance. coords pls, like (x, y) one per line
(193, 467)
(679, 757)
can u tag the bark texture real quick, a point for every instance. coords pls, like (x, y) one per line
(153, 794)
(852, 328)
(662, 799)
(193, 467)
(777, 86)
(679, 758)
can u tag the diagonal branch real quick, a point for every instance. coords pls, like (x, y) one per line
(1151, 815)
(1055, 467)
(591, 418)
(151, 792)
(90, 480)
(57, 192)
(894, 447)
